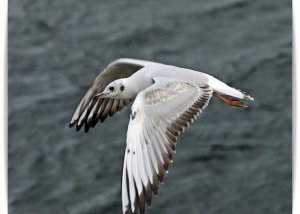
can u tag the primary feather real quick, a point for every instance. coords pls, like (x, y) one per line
(167, 100)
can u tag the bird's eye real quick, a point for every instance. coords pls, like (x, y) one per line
(122, 88)
(111, 88)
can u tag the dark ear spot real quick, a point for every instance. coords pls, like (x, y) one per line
(122, 88)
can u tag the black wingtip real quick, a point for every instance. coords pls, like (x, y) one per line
(78, 127)
(86, 128)
(102, 118)
(72, 123)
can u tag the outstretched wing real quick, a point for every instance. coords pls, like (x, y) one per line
(159, 114)
(89, 111)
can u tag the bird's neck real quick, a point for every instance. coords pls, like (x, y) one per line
(135, 84)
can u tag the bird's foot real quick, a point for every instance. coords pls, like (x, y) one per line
(231, 102)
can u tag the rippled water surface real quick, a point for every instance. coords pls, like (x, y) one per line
(231, 161)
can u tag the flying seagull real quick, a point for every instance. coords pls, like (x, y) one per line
(166, 100)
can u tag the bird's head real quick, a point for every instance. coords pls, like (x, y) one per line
(113, 90)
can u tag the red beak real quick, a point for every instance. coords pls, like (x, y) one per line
(100, 95)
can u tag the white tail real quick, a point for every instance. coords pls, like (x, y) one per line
(223, 88)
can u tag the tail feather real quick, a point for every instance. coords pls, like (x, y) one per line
(246, 96)
(223, 88)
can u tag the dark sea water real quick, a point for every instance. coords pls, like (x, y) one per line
(231, 161)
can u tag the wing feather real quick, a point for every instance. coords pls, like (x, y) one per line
(164, 111)
(88, 112)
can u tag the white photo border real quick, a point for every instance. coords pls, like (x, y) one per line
(4, 116)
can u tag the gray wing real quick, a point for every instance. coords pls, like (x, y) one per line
(89, 111)
(159, 114)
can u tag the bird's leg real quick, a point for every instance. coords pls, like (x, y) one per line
(231, 102)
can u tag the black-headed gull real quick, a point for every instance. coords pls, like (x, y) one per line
(166, 100)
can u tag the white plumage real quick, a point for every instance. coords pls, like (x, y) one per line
(167, 99)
